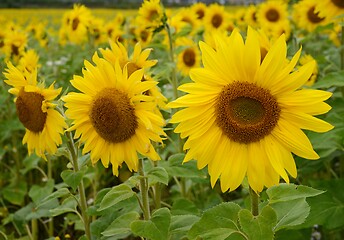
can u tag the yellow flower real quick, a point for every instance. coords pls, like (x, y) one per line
(150, 14)
(271, 13)
(245, 118)
(35, 110)
(200, 9)
(306, 15)
(75, 24)
(189, 58)
(215, 17)
(330, 8)
(29, 61)
(251, 16)
(112, 116)
(14, 45)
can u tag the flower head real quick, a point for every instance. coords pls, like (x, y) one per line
(244, 116)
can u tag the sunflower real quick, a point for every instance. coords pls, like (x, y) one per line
(251, 16)
(15, 44)
(112, 116)
(151, 14)
(271, 13)
(243, 117)
(185, 15)
(143, 35)
(189, 58)
(35, 110)
(215, 17)
(75, 24)
(330, 8)
(200, 9)
(307, 17)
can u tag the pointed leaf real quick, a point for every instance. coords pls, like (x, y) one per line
(121, 225)
(157, 175)
(72, 178)
(116, 195)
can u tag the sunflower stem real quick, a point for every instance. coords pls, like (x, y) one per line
(157, 192)
(50, 176)
(34, 227)
(81, 188)
(254, 202)
(144, 191)
(342, 55)
(174, 79)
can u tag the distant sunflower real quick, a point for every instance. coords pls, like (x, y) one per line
(29, 61)
(112, 116)
(151, 14)
(330, 8)
(307, 17)
(251, 16)
(143, 35)
(15, 44)
(243, 117)
(215, 17)
(272, 13)
(35, 110)
(189, 58)
(200, 9)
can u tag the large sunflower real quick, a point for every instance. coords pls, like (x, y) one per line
(112, 115)
(35, 110)
(243, 117)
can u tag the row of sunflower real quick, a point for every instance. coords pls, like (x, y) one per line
(243, 103)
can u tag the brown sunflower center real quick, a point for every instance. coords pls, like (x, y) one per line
(144, 35)
(246, 112)
(153, 15)
(29, 111)
(200, 13)
(75, 23)
(313, 16)
(338, 3)
(189, 57)
(216, 20)
(112, 115)
(272, 15)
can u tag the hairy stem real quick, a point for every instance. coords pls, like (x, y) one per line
(144, 191)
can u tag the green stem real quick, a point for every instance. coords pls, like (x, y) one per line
(144, 191)
(50, 176)
(81, 188)
(254, 202)
(34, 227)
(157, 192)
(342, 49)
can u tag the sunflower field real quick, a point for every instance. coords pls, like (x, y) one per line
(204, 122)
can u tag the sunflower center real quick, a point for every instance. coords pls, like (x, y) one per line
(132, 67)
(313, 16)
(189, 57)
(75, 23)
(153, 15)
(200, 13)
(29, 111)
(112, 115)
(338, 3)
(246, 112)
(272, 15)
(216, 20)
(144, 35)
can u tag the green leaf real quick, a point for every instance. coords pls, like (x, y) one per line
(328, 208)
(181, 224)
(260, 227)
(175, 167)
(116, 195)
(217, 223)
(290, 213)
(72, 178)
(330, 80)
(37, 193)
(157, 228)
(15, 192)
(287, 192)
(121, 225)
(68, 205)
(183, 206)
(157, 175)
(61, 192)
